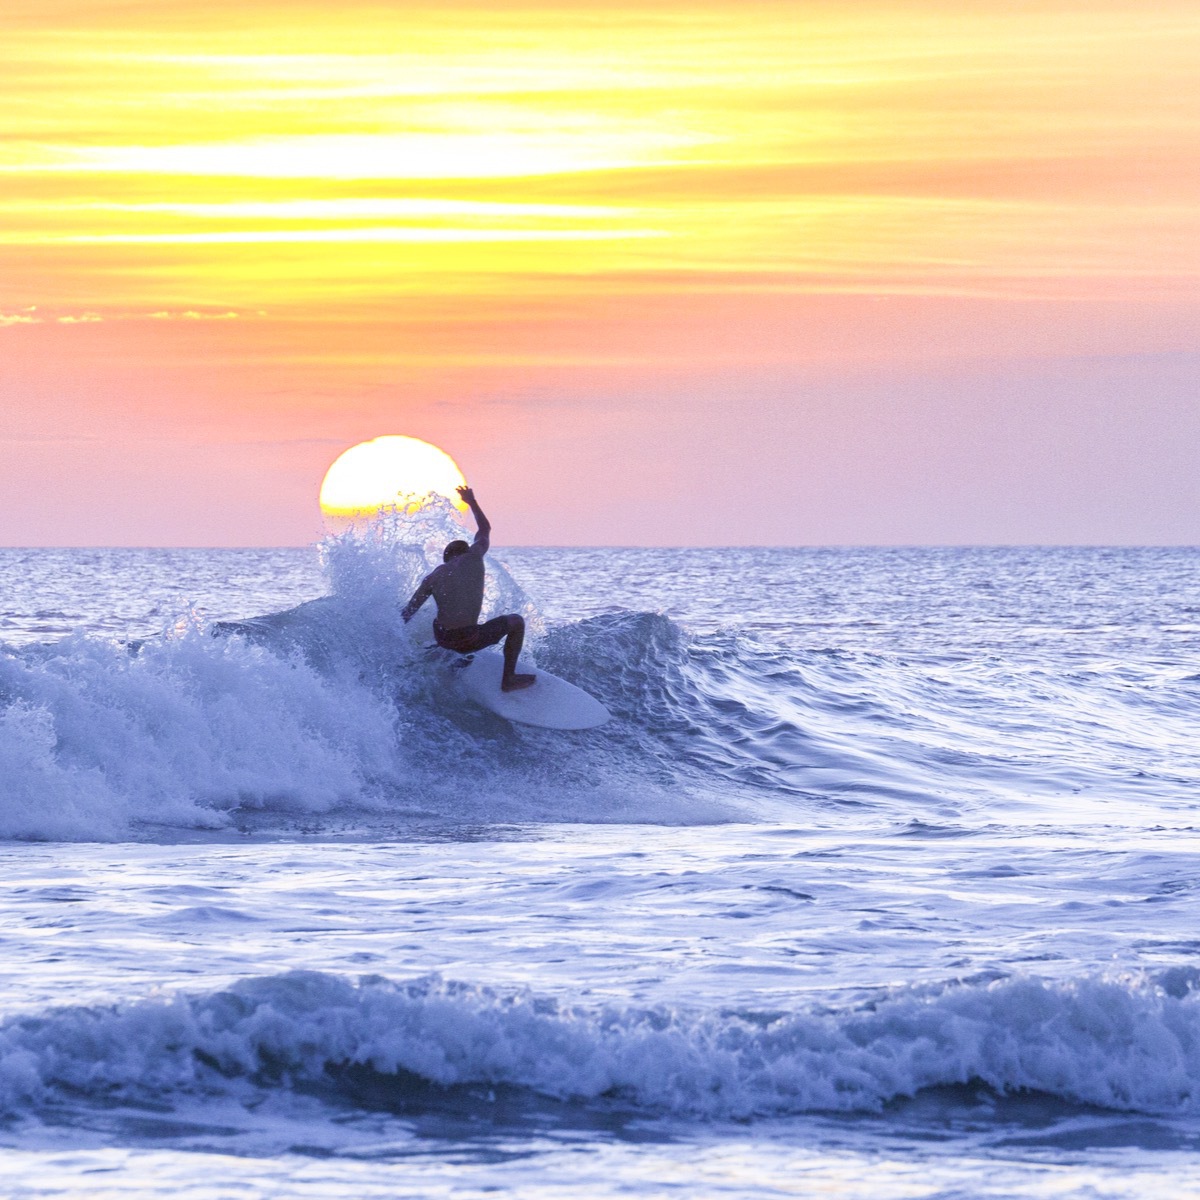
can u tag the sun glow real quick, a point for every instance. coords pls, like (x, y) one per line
(386, 473)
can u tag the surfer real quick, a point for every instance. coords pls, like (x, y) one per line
(457, 586)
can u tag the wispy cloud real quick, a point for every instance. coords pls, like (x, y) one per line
(843, 146)
(47, 316)
(191, 314)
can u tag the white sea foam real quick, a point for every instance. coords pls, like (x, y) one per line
(1123, 1045)
(95, 737)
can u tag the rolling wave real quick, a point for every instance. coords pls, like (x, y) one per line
(1131, 1046)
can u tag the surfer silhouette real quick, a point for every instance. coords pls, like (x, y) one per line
(457, 587)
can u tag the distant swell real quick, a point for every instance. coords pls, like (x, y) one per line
(1133, 1047)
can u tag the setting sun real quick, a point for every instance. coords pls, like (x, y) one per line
(387, 472)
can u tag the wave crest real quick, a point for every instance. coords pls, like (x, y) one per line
(1128, 1046)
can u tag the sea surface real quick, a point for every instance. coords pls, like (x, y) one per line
(883, 881)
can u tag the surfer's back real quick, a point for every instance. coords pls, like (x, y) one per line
(457, 587)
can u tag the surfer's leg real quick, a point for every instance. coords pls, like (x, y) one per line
(513, 641)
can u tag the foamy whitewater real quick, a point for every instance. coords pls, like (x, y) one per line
(882, 882)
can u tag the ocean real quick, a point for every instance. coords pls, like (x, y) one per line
(882, 882)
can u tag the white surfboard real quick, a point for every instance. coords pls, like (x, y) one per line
(551, 702)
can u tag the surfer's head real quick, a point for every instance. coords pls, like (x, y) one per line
(457, 547)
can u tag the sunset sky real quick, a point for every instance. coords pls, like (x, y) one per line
(679, 273)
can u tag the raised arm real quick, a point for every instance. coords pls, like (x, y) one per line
(484, 526)
(418, 598)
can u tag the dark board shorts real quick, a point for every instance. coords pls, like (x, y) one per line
(471, 637)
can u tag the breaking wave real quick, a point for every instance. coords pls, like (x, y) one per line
(336, 710)
(1130, 1046)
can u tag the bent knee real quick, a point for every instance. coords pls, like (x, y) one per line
(516, 623)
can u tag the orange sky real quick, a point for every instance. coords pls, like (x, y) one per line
(706, 273)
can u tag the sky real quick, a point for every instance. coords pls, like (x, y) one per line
(673, 274)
